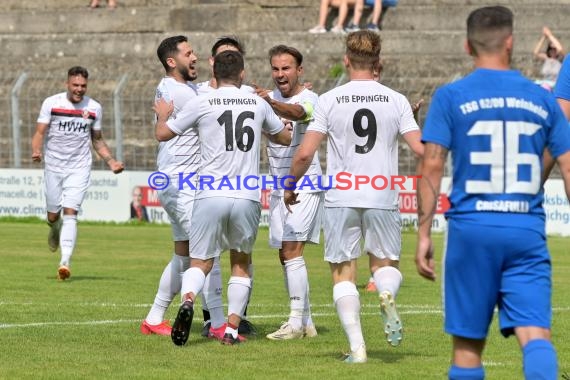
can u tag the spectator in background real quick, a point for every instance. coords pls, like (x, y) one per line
(379, 9)
(111, 4)
(342, 6)
(138, 211)
(551, 58)
(358, 9)
(69, 122)
(386, 4)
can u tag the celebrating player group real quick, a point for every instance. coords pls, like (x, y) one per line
(504, 133)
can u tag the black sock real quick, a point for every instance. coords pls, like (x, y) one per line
(206, 315)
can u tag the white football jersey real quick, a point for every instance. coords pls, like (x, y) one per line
(362, 119)
(182, 153)
(229, 123)
(68, 139)
(280, 156)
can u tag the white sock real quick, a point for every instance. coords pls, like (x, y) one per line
(212, 295)
(250, 271)
(297, 288)
(347, 302)
(388, 279)
(192, 281)
(168, 287)
(67, 238)
(307, 320)
(238, 291)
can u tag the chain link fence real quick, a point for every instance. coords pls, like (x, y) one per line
(128, 118)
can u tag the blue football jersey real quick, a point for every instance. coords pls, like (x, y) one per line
(562, 88)
(496, 124)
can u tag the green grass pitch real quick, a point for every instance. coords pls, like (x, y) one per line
(88, 327)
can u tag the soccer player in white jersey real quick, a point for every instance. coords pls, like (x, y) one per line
(68, 122)
(180, 155)
(226, 211)
(362, 120)
(289, 232)
(222, 44)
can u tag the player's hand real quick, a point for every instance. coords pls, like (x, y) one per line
(288, 124)
(163, 109)
(261, 92)
(116, 166)
(417, 105)
(290, 198)
(37, 156)
(308, 85)
(424, 258)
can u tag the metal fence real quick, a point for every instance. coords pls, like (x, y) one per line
(128, 117)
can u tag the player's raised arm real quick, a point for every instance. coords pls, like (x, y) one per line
(283, 137)
(292, 112)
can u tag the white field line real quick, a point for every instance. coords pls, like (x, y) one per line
(175, 302)
(404, 310)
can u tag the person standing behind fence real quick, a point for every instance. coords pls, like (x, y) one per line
(551, 58)
(67, 123)
(496, 124)
(362, 120)
(226, 212)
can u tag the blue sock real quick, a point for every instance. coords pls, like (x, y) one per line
(539, 360)
(460, 373)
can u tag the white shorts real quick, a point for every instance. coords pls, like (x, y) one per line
(304, 224)
(344, 226)
(178, 205)
(66, 190)
(220, 223)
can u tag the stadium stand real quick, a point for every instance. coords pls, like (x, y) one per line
(422, 49)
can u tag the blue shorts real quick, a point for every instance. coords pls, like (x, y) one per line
(488, 266)
(385, 3)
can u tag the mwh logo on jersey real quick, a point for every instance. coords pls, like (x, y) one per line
(72, 126)
(73, 120)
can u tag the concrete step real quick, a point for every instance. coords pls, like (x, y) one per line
(317, 48)
(82, 4)
(240, 17)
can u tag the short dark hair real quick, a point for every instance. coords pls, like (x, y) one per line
(168, 48)
(488, 28)
(282, 49)
(228, 65)
(228, 40)
(78, 70)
